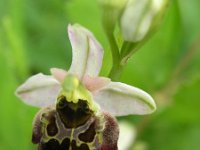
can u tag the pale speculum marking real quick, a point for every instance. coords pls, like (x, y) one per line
(58, 137)
(87, 131)
(89, 135)
(83, 146)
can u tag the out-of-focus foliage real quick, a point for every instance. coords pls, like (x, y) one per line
(33, 38)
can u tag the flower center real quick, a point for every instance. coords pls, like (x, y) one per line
(73, 114)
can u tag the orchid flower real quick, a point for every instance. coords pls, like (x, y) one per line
(77, 104)
(117, 98)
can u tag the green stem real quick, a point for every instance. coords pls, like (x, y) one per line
(109, 20)
(121, 60)
(116, 72)
(114, 50)
(116, 69)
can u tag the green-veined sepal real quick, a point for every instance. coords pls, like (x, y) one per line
(39, 90)
(121, 99)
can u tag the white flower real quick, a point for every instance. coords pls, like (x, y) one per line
(115, 97)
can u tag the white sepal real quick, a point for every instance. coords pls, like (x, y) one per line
(87, 53)
(39, 90)
(121, 99)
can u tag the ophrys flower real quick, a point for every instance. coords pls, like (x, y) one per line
(78, 105)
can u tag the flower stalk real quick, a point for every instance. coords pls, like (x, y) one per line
(116, 67)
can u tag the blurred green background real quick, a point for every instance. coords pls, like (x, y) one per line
(33, 39)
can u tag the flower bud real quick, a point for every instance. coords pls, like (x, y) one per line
(140, 17)
(113, 4)
(112, 9)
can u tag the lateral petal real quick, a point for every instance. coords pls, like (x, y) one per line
(95, 83)
(58, 74)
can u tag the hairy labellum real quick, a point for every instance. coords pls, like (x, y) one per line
(54, 131)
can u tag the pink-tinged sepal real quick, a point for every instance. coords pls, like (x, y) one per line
(87, 52)
(39, 90)
(120, 99)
